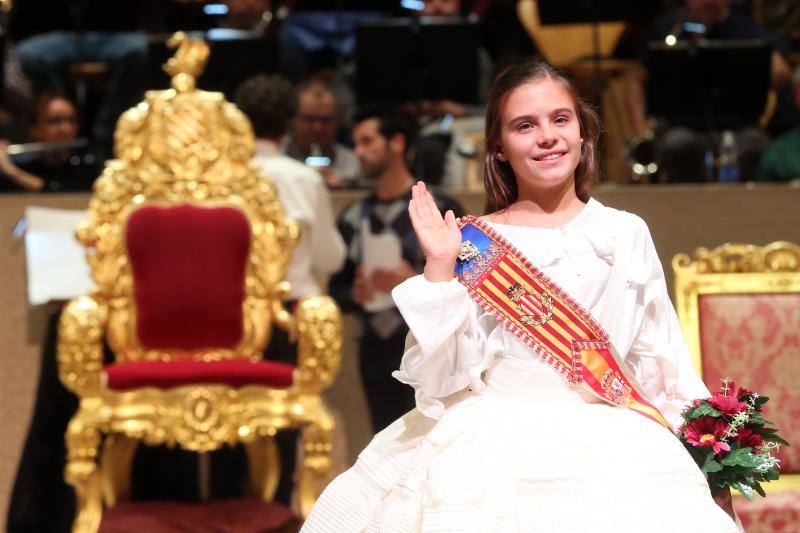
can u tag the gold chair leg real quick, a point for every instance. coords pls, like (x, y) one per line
(316, 466)
(83, 442)
(116, 459)
(265, 467)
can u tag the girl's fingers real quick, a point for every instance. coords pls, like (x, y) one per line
(413, 213)
(419, 194)
(430, 208)
(450, 219)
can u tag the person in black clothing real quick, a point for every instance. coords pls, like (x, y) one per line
(382, 140)
(53, 119)
(54, 35)
(683, 146)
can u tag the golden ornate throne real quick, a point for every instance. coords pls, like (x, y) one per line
(188, 246)
(739, 306)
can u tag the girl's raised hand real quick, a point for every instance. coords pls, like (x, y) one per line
(438, 237)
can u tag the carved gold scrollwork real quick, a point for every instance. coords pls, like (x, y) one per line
(779, 256)
(319, 325)
(202, 426)
(185, 146)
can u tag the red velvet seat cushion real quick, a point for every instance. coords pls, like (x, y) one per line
(189, 268)
(234, 516)
(166, 374)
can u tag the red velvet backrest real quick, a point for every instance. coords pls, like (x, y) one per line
(755, 340)
(189, 266)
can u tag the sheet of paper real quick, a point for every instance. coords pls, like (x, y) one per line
(56, 262)
(380, 250)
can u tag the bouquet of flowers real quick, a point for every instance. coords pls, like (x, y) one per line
(730, 440)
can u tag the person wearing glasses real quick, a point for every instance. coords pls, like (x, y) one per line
(312, 139)
(51, 120)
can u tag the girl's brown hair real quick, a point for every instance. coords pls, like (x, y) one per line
(498, 177)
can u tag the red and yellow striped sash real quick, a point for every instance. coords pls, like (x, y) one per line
(503, 282)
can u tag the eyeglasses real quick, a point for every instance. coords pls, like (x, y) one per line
(325, 120)
(57, 120)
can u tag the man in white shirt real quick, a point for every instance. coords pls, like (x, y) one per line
(269, 103)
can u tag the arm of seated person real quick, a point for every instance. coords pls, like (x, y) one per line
(14, 174)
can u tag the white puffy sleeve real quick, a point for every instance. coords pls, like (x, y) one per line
(658, 353)
(449, 344)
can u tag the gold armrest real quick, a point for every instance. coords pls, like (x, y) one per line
(319, 331)
(80, 345)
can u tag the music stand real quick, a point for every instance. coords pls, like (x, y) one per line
(235, 56)
(708, 84)
(594, 11)
(407, 59)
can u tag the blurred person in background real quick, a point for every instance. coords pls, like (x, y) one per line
(781, 160)
(269, 102)
(55, 36)
(683, 146)
(54, 167)
(382, 142)
(312, 138)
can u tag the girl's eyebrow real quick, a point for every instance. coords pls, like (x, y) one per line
(521, 117)
(559, 111)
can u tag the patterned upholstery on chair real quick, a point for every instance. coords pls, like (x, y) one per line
(739, 307)
(755, 339)
(776, 513)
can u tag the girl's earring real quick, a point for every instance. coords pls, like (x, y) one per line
(501, 156)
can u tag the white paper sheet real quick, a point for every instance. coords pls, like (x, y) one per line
(380, 250)
(56, 262)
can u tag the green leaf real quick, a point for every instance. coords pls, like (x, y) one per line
(710, 465)
(704, 410)
(771, 475)
(759, 489)
(741, 457)
(742, 490)
(775, 438)
(759, 420)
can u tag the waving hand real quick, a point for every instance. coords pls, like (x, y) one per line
(439, 237)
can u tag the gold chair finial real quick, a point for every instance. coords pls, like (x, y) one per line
(188, 62)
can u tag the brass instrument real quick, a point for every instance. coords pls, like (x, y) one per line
(641, 156)
(44, 147)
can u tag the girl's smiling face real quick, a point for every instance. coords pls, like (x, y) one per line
(540, 135)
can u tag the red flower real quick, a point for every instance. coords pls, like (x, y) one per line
(727, 405)
(747, 396)
(747, 438)
(742, 393)
(706, 432)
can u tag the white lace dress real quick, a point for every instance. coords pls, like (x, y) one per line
(499, 441)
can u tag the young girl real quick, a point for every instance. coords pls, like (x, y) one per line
(550, 371)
